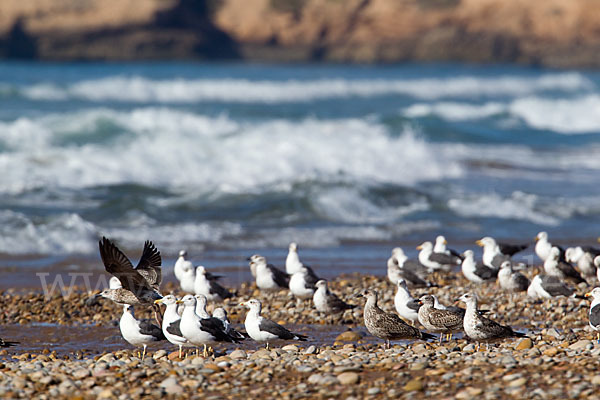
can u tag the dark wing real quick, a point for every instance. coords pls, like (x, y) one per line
(414, 279)
(570, 271)
(511, 249)
(212, 277)
(499, 259)
(219, 290)
(493, 329)
(150, 265)
(148, 328)
(4, 343)
(413, 305)
(592, 250)
(555, 287)
(455, 253)
(457, 310)
(444, 259)
(484, 272)
(336, 304)
(595, 315)
(274, 328)
(396, 328)
(215, 327)
(173, 328)
(117, 264)
(521, 281)
(281, 278)
(415, 267)
(311, 278)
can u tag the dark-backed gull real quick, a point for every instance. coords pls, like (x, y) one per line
(480, 328)
(475, 271)
(252, 264)
(594, 313)
(209, 287)
(139, 285)
(327, 302)
(435, 261)
(543, 247)
(268, 277)
(444, 322)
(584, 258)
(138, 332)
(171, 323)
(412, 271)
(184, 272)
(201, 331)
(292, 261)
(440, 247)
(221, 314)
(547, 286)
(562, 269)
(510, 280)
(387, 326)
(303, 283)
(492, 256)
(264, 330)
(406, 306)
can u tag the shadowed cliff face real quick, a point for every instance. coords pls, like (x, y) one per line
(553, 32)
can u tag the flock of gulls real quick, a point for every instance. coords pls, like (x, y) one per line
(185, 322)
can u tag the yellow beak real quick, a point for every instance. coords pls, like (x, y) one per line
(419, 247)
(179, 302)
(159, 301)
(598, 240)
(445, 241)
(588, 295)
(479, 243)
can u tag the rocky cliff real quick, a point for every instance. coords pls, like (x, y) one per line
(551, 32)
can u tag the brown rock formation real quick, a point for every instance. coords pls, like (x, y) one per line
(552, 32)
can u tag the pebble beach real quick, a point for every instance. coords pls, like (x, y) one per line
(78, 352)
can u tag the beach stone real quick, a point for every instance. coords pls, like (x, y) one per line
(517, 382)
(106, 394)
(469, 393)
(348, 378)
(290, 347)
(238, 355)
(159, 354)
(596, 380)
(550, 352)
(312, 349)
(171, 386)
(413, 385)
(525, 343)
(470, 348)
(581, 344)
(373, 391)
(348, 336)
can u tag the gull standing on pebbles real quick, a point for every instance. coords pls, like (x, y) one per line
(328, 302)
(436, 261)
(268, 277)
(221, 314)
(584, 258)
(480, 328)
(292, 261)
(511, 281)
(492, 256)
(264, 330)
(562, 269)
(476, 272)
(171, 323)
(208, 287)
(543, 247)
(138, 332)
(594, 313)
(547, 286)
(387, 326)
(303, 283)
(252, 264)
(400, 267)
(139, 285)
(440, 321)
(440, 247)
(201, 330)
(406, 306)
(184, 272)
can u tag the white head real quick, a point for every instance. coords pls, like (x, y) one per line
(440, 240)
(128, 308)
(220, 313)
(293, 246)
(541, 236)
(469, 254)
(188, 301)
(322, 283)
(253, 305)
(182, 253)
(554, 252)
(506, 265)
(425, 246)
(200, 270)
(402, 284)
(594, 293)
(486, 241)
(200, 300)
(597, 261)
(469, 298)
(397, 252)
(168, 300)
(260, 260)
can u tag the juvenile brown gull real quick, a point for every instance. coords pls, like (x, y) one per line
(444, 322)
(387, 326)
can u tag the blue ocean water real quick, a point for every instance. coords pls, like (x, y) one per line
(348, 161)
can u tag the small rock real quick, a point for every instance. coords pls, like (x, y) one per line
(312, 349)
(596, 380)
(159, 354)
(525, 343)
(581, 344)
(373, 391)
(238, 355)
(413, 385)
(551, 352)
(518, 382)
(290, 347)
(348, 378)
(348, 336)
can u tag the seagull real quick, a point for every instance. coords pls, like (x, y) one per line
(584, 257)
(594, 313)
(292, 261)
(328, 302)
(435, 261)
(221, 314)
(268, 277)
(5, 343)
(440, 321)
(492, 256)
(252, 264)
(264, 330)
(511, 281)
(440, 247)
(209, 287)
(480, 328)
(171, 322)
(200, 330)
(400, 267)
(138, 332)
(506, 248)
(562, 269)
(406, 306)
(303, 283)
(476, 272)
(543, 247)
(387, 326)
(139, 285)
(548, 286)
(184, 270)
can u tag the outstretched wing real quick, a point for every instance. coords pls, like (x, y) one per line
(117, 264)
(150, 265)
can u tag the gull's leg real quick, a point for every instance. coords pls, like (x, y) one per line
(205, 352)
(179, 351)
(267, 347)
(144, 353)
